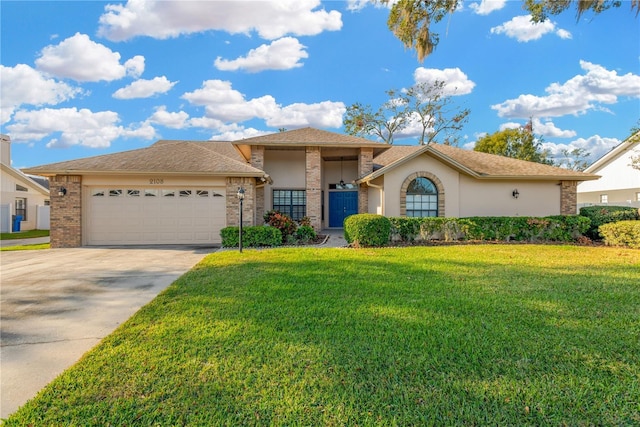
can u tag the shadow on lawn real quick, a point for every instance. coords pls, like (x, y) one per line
(383, 337)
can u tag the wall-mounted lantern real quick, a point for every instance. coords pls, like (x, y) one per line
(62, 192)
(515, 194)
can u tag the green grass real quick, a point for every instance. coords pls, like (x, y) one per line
(34, 247)
(24, 235)
(454, 335)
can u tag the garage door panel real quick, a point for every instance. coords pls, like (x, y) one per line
(191, 215)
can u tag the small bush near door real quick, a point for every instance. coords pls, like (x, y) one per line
(364, 230)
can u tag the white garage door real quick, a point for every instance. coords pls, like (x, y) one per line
(134, 216)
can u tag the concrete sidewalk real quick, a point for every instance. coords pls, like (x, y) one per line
(59, 303)
(21, 242)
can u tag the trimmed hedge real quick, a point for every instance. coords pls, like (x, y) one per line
(600, 215)
(622, 233)
(363, 230)
(252, 236)
(557, 228)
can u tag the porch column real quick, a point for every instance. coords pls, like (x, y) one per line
(568, 198)
(65, 230)
(365, 167)
(233, 204)
(314, 186)
(257, 161)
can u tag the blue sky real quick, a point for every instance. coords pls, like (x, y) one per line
(84, 78)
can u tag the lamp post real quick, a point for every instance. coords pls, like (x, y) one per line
(241, 198)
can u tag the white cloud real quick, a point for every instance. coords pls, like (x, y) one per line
(166, 19)
(234, 132)
(223, 104)
(135, 66)
(595, 145)
(456, 81)
(523, 30)
(81, 59)
(282, 54)
(485, 7)
(74, 127)
(22, 84)
(321, 114)
(576, 96)
(550, 130)
(564, 34)
(171, 120)
(144, 88)
(510, 125)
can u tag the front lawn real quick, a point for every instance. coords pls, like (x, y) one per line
(24, 234)
(453, 335)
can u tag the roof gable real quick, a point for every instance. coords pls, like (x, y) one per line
(476, 164)
(628, 144)
(173, 157)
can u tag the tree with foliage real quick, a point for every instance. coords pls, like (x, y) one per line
(519, 143)
(411, 20)
(576, 159)
(424, 105)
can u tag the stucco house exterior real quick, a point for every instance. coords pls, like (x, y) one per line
(20, 195)
(175, 192)
(619, 184)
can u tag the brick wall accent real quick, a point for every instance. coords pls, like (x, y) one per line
(66, 212)
(257, 161)
(436, 182)
(568, 198)
(233, 204)
(365, 167)
(313, 167)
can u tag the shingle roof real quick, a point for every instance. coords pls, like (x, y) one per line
(476, 164)
(183, 157)
(310, 136)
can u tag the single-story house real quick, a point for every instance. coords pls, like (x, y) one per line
(179, 192)
(619, 184)
(23, 200)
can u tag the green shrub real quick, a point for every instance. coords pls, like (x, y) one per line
(409, 229)
(252, 236)
(622, 233)
(305, 234)
(282, 222)
(363, 230)
(600, 215)
(560, 228)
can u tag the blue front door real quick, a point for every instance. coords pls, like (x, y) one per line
(341, 205)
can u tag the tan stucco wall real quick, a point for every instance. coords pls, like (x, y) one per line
(467, 196)
(286, 169)
(394, 179)
(151, 181)
(487, 198)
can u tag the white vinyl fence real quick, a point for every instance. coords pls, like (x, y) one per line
(43, 217)
(5, 218)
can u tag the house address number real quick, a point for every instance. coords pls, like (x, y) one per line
(156, 181)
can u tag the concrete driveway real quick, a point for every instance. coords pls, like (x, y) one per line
(58, 303)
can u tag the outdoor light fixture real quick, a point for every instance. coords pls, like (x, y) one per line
(515, 194)
(341, 180)
(241, 198)
(62, 192)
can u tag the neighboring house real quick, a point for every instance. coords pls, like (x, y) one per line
(184, 192)
(21, 196)
(620, 183)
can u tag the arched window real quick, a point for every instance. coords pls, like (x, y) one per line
(422, 198)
